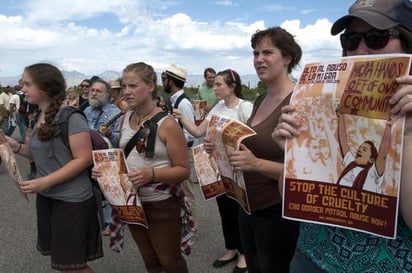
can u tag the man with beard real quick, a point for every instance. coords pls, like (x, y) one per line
(99, 112)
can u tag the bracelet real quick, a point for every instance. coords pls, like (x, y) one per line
(153, 175)
(18, 149)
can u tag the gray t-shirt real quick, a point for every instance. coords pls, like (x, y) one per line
(51, 155)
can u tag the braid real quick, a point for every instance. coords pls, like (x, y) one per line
(48, 130)
(50, 80)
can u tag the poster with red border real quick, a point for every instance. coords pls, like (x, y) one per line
(8, 159)
(344, 168)
(117, 188)
(214, 172)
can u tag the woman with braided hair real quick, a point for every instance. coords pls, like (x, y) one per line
(64, 191)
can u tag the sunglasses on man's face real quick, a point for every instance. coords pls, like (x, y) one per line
(374, 38)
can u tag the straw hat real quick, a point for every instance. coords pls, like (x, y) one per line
(114, 84)
(177, 72)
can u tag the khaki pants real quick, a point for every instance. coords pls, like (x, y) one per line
(188, 187)
(160, 244)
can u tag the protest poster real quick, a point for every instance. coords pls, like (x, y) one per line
(9, 160)
(214, 172)
(344, 167)
(207, 172)
(117, 188)
(200, 107)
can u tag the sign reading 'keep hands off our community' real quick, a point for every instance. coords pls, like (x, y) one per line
(344, 168)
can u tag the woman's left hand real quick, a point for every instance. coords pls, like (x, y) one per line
(140, 177)
(243, 159)
(33, 186)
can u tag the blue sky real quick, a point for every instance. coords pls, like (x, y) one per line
(97, 35)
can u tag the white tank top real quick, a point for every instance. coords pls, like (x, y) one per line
(137, 160)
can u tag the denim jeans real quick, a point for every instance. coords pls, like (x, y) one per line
(107, 212)
(8, 129)
(21, 123)
(301, 263)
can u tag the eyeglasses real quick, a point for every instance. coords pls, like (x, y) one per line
(85, 86)
(374, 38)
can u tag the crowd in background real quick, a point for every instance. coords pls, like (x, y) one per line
(260, 242)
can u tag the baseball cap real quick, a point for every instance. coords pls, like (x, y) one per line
(381, 14)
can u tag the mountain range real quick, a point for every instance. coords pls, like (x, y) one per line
(74, 78)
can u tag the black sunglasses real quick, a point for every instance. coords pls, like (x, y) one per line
(374, 38)
(84, 85)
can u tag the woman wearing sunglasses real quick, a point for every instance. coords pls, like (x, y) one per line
(371, 27)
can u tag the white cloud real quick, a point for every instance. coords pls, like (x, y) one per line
(308, 11)
(315, 40)
(58, 31)
(275, 7)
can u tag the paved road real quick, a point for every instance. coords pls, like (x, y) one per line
(18, 253)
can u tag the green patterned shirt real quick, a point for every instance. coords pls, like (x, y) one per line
(339, 250)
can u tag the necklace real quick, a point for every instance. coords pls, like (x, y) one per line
(140, 118)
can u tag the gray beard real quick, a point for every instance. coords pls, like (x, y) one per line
(96, 103)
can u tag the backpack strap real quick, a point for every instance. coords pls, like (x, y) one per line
(63, 122)
(177, 102)
(132, 141)
(179, 99)
(153, 132)
(152, 125)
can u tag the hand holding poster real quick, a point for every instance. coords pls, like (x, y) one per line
(8, 159)
(117, 188)
(344, 168)
(215, 174)
(207, 172)
(200, 107)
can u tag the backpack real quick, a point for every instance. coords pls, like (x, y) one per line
(98, 142)
(23, 103)
(150, 124)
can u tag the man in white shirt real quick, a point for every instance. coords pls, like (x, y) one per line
(19, 115)
(174, 81)
(4, 101)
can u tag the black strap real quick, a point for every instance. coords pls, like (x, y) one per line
(179, 99)
(132, 142)
(98, 118)
(152, 125)
(177, 102)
